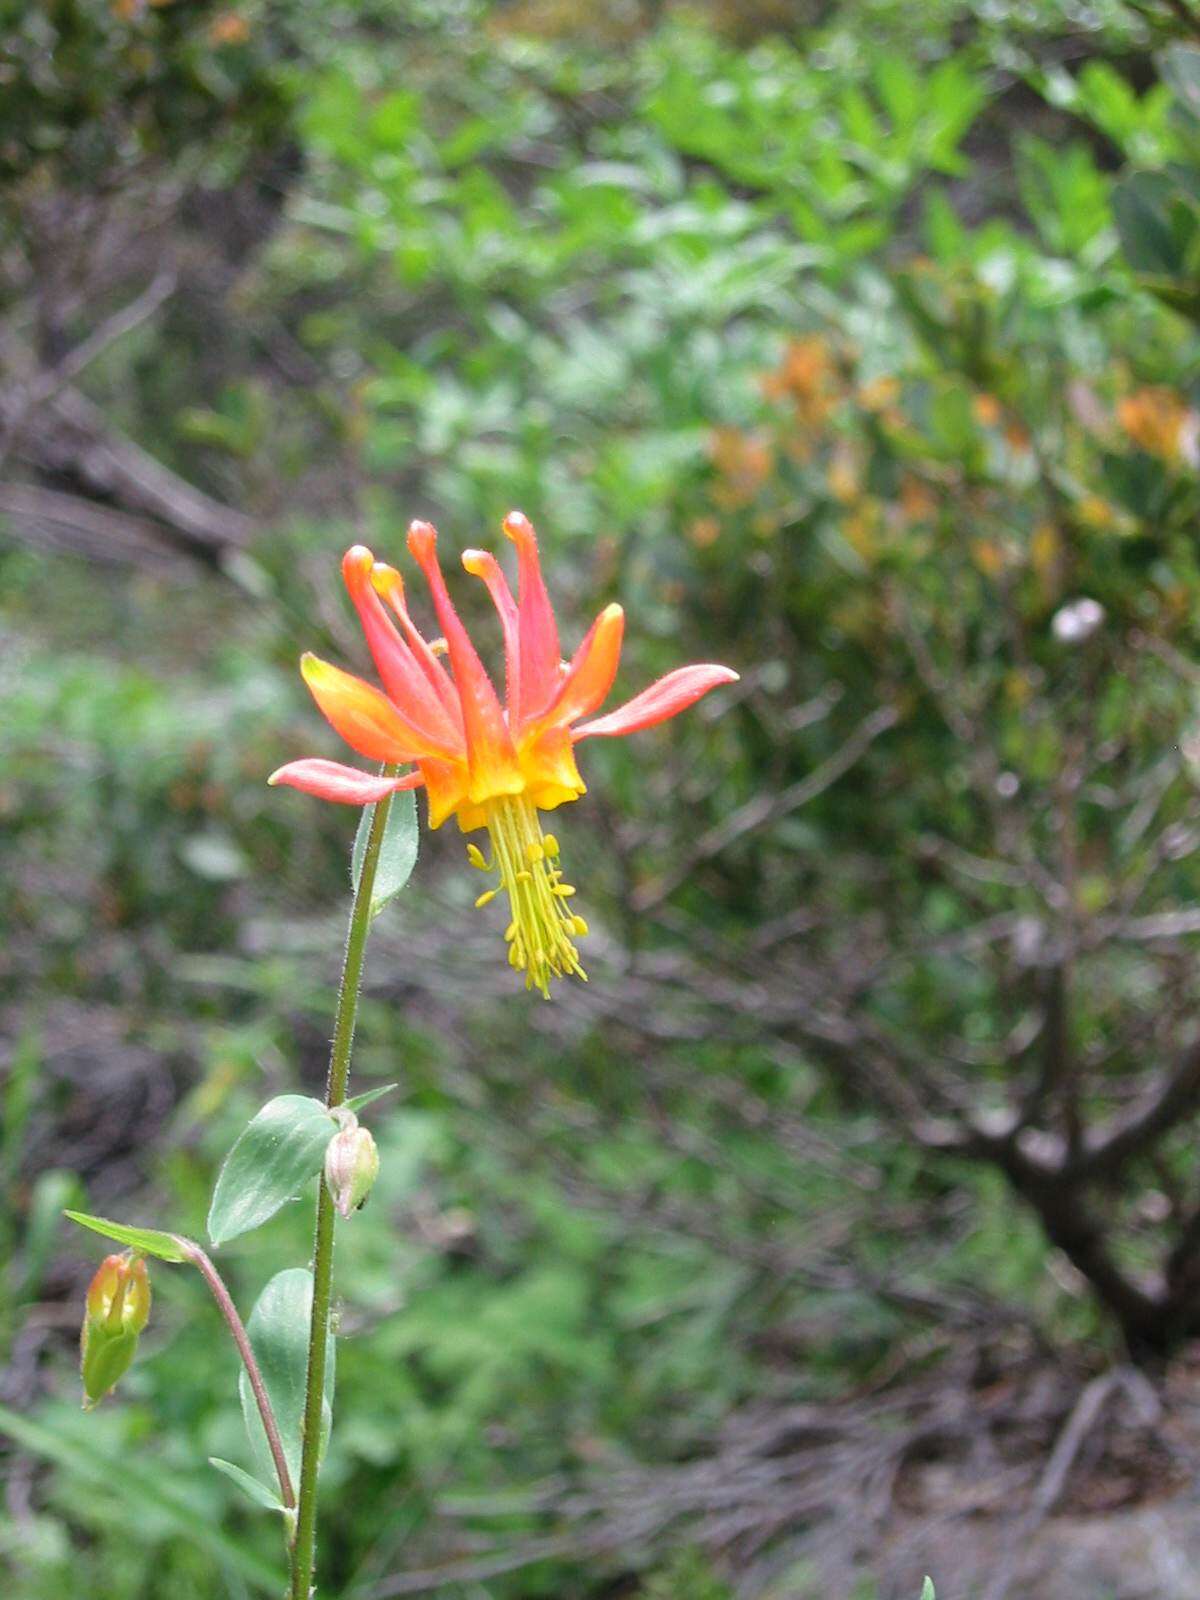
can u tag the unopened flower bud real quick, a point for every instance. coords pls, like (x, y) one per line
(351, 1166)
(116, 1311)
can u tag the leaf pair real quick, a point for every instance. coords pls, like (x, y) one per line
(276, 1154)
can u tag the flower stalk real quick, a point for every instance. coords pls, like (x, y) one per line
(237, 1328)
(304, 1544)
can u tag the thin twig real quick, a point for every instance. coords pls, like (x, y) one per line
(50, 382)
(768, 808)
(1083, 1417)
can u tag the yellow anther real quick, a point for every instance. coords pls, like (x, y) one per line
(488, 894)
(579, 925)
(524, 877)
(563, 889)
(510, 933)
(534, 851)
(476, 857)
(550, 845)
(439, 647)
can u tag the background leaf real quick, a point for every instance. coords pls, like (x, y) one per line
(146, 1490)
(278, 1329)
(397, 854)
(149, 1240)
(275, 1156)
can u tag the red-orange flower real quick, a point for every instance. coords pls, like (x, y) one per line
(492, 766)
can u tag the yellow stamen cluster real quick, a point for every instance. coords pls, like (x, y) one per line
(543, 928)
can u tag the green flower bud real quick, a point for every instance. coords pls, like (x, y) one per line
(351, 1165)
(117, 1309)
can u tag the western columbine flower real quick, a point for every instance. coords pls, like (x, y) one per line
(490, 766)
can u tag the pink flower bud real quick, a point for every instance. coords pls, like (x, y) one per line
(116, 1311)
(351, 1166)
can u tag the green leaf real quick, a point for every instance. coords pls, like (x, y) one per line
(52, 1190)
(145, 1488)
(278, 1329)
(927, 1590)
(1180, 67)
(356, 1102)
(397, 853)
(258, 1492)
(1157, 219)
(150, 1241)
(274, 1157)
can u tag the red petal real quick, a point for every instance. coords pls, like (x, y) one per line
(540, 654)
(406, 684)
(590, 676)
(329, 780)
(390, 585)
(661, 700)
(491, 758)
(482, 564)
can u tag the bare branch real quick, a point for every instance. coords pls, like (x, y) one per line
(768, 808)
(1176, 1096)
(68, 523)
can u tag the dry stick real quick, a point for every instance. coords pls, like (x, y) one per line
(229, 1311)
(1083, 1418)
(304, 1546)
(768, 808)
(50, 381)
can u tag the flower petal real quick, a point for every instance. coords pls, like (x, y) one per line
(365, 717)
(390, 585)
(590, 676)
(445, 789)
(661, 700)
(406, 684)
(551, 775)
(483, 564)
(491, 758)
(540, 654)
(329, 780)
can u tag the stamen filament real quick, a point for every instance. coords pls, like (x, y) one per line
(542, 931)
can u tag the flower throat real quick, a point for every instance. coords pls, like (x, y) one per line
(543, 928)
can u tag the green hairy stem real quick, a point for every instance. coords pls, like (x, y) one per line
(304, 1544)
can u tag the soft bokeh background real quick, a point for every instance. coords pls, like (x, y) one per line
(845, 1227)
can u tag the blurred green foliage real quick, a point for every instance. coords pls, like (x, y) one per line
(805, 344)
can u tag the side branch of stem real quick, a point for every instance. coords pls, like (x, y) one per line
(237, 1328)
